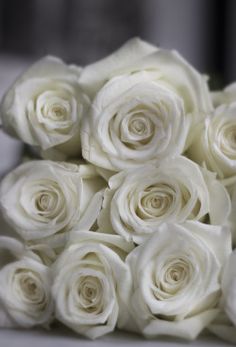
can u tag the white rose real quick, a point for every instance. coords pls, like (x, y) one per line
(44, 107)
(176, 278)
(92, 283)
(148, 99)
(229, 288)
(225, 96)
(214, 142)
(25, 297)
(230, 185)
(225, 324)
(42, 198)
(137, 201)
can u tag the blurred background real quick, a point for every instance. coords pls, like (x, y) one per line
(81, 31)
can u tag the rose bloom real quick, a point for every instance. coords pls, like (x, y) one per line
(214, 142)
(42, 199)
(92, 283)
(25, 294)
(137, 201)
(225, 324)
(145, 100)
(229, 288)
(44, 108)
(225, 96)
(176, 279)
(230, 185)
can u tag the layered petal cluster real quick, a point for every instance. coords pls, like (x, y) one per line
(225, 96)
(44, 108)
(25, 291)
(143, 106)
(224, 326)
(43, 200)
(214, 142)
(229, 288)
(137, 201)
(176, 285)
(92, 283)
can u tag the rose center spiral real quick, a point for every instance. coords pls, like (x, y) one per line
(29, 286)
(136, 128)
(46, 201)
(89, 291)
(155, 201)
(54, 110)
(57, 112)
(171, 277)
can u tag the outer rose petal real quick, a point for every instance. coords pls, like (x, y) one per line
(12, 249)
(225, 96)
(139, 55)
(223, 328)
(93, 76)
(178, 73)
(188, 329)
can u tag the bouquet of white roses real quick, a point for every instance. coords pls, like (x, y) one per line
(127, 218)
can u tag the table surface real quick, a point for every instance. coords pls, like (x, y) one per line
(64, 337)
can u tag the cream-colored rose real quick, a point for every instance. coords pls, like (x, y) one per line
(42, 199)
(144, 102)
(225, 96)
(176, 279)
(44, 108)
(25, 294)
(137, 201)
(229, 288)
(230, 185)
(225, 324)
(214, 142)
(92, 283)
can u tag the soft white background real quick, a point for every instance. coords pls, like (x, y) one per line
(10, 151)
